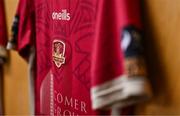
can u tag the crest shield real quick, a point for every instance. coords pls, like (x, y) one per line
(58, 52)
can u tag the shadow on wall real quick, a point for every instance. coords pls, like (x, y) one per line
(1, 90)
(155, 65)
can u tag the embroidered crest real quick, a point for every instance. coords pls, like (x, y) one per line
(58, 52)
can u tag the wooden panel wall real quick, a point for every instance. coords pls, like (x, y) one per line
(15, 79)
(162, 22)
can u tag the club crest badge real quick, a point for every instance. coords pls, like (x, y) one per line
(58, 52)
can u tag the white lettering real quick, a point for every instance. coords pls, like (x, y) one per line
(66, 113)
(59, 98)
(76, 104)
(83, 107)
(59, 15)
(63, 15)
(58, 111)
(68, 16)
(68, 102)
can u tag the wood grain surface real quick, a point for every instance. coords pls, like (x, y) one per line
(16, 75)
(162, 43)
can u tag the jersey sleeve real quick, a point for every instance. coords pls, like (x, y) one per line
(23, 31)
(3, 33)
(118, 68)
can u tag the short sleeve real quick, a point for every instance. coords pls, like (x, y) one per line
(118, 68)
(3, 32)
(23, 31)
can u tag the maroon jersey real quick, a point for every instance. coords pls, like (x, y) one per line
(79, 57)
(3, 32)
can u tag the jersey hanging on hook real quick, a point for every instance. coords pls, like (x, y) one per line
(81, 54)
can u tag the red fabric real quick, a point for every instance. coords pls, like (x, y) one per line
(26, 27)
(3, 31)
(92, 48)
(113, 16)
(107, 57)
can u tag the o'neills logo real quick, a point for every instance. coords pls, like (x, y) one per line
(58, 52)
(63, 15)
